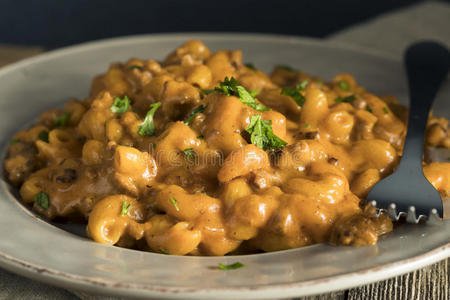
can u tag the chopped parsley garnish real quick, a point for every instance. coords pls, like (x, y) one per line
(109, 205)
(250, 66)
(175, 203)
(369, 109)
(14, 141)
(61, 121)
(319, 83)
(344, 85)
(286, 68)
(302, 85)
(189, 152)
(131, 67)
(163, 251)
(234, 266)
(125, 208)
(120, 106)
(248, 98)
(43, 136)
(295, 93)
(231, 87)
(42, 200)
(254, 94)
(228, 87)
(201, 137)
(147, 127)
(386, 111)
(261, 134)
(347, 99)
(307, 125)
(194, 112)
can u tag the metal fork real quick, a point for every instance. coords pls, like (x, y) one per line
(407, 191)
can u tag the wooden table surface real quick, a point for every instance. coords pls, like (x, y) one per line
(428, 283)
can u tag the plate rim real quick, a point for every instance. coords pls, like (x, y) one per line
(303, 288)
(294, 289)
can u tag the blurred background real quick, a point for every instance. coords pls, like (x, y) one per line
(53, 23)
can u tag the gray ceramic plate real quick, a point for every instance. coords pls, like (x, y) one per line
(36, 249)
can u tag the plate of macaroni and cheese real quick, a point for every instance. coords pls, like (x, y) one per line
(210, 165)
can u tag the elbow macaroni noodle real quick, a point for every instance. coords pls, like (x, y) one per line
(199, 186)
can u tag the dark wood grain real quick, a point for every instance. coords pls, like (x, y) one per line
(429, 283)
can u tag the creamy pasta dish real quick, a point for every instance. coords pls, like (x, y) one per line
(202, 154)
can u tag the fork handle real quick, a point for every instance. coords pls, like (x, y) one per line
(427, 64)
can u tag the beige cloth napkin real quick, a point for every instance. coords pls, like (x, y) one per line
(389, 33)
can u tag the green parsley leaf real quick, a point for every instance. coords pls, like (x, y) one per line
(43, 136)
(261, 134)
(234, 266)
(344, 85)
(61, 121)
(231, 87)
(194, 112)
(131, 67)
(386, 111)
(109, 205)
(347, 99)
(163, 251)
(369, 109)
(307, 125)
(286, 68)
(250, 66)
(294, 94)
(120, 106)
(201, 137)
(42, 200)
(228, 87)
(125, 208)
(253, 93)
(189, 153)
(14, 141)
(175, 203)
(147, 127)
(319, 83)
(248, 99)
(302, 85)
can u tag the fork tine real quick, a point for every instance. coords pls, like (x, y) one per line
(378, 211)
(411, 217)
(392, 211)
(433, 218)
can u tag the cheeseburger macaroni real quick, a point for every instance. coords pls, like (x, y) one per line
(202, 154)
